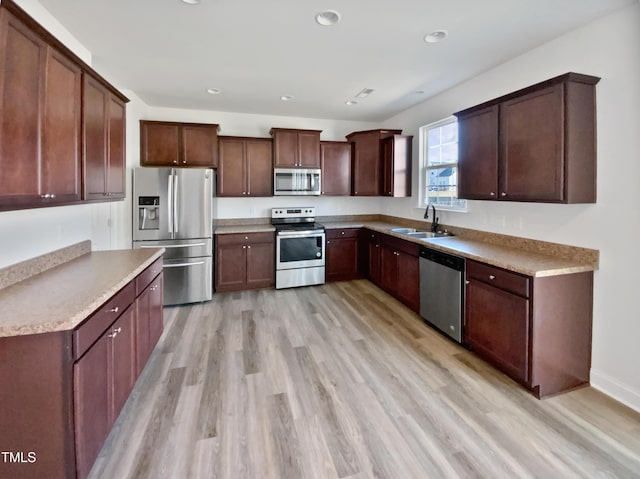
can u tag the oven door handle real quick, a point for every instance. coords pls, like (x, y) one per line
(301, 233)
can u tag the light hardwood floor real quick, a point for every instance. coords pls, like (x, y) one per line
(342, 381)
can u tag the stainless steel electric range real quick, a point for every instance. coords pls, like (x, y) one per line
(300, 247)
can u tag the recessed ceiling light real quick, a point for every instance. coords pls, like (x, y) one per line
(436, 36)
(327, 18)
(286, 98)
(364, 92)
(350, 102)
(213, 91)
(191, 2)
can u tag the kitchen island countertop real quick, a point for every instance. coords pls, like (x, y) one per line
(62, 297)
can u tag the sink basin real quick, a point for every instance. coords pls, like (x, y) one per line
(403, 231)
(422, 234)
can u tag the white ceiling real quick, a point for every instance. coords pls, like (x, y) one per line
(255, 51)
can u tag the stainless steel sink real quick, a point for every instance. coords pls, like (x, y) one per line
(403, 231)
(422, 234)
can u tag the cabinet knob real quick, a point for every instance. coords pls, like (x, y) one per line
(492, 276)
(493, 193)
(175, 162)
(377, 246)
(328, 242)
(467, 282)
(342, 233)
(113, 310)
(249, 247)
(503, 194)
(244, 246)
(246, 237)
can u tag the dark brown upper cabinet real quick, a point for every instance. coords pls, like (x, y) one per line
(164, 143)
(245, 166)
(367, 161)
(40, 115)
(335, 164)
(296, 148)
(537, 144)
(103, 128)
(42, 147)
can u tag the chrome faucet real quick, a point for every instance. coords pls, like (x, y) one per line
(434, 223)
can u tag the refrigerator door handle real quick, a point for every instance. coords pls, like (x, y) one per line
(170, 202)
(174, 245)
(179, 265)
(176, 195)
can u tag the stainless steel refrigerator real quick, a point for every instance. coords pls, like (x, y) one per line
(172, 208)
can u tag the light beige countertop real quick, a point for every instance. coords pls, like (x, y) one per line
(60, 298)
(531, 263)
(237, 229)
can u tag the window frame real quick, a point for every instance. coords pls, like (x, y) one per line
(423, 142)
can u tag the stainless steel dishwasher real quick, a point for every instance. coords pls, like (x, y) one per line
(441, 291)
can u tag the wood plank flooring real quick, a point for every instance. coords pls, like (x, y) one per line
(342, 381)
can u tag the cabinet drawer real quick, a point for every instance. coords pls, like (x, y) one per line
(342, 233)
(400, 244)
(500, 278)
(93, 327)
(245, 238)
(148, 275)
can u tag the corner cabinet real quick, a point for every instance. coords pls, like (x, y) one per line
(342, 254)
(296, 148)
(535, 329)
(537, 144)
(68, 387)
(245, 167)
(172, 144)
(375, 158)
(44, 110)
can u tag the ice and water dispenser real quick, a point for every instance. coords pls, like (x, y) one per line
(149, 212)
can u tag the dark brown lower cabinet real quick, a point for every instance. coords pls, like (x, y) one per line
(342, 251)
(535, 329)
(498, 327)
(103, 379)
(245, 261)
(148, 321)
(400, 270)
(373, 256)
(67, 388)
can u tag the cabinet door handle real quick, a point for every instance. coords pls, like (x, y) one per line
(244, 246)
(114, 332)
(503, 194)
(249, 247)
(328, 242)
(467, 282)
(342, 233)
(246, 237)
(113, 310)
(493, 193)
(492, 276)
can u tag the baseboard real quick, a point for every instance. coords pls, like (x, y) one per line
(615, 389)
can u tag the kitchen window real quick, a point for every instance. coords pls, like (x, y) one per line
(439, 160)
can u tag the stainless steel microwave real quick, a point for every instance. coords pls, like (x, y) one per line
(296, 181)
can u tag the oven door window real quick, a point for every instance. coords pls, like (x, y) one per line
(300, 249)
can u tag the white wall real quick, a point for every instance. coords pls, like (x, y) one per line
(608, 48)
